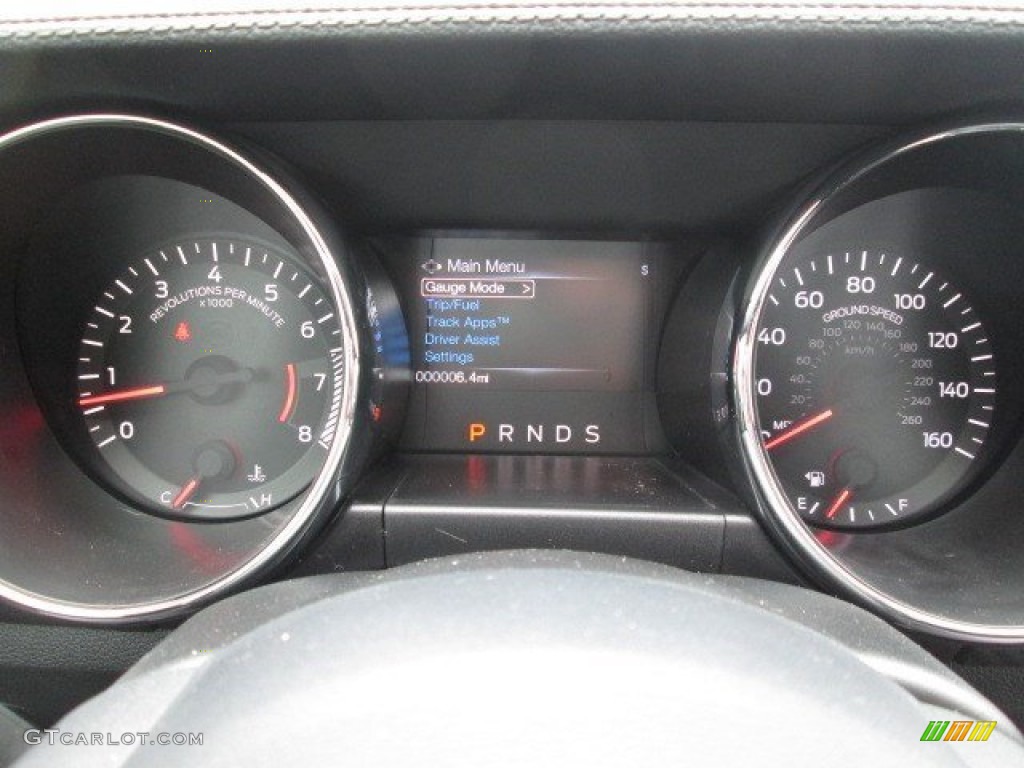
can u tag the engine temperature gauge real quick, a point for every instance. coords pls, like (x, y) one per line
(209, 379)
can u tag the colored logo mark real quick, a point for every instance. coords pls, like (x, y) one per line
(958, 730)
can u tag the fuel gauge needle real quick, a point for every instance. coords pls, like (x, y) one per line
(798, 429)
(841, 499)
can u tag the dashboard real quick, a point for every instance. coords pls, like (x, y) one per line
(737, 293)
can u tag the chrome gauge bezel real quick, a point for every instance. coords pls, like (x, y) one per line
(774, 504)
(326, 487)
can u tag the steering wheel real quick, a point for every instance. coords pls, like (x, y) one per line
(533, 658)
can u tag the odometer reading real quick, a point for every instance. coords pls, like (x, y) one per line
(875, 386)
(209, 379)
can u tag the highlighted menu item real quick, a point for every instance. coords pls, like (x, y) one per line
(478, 288)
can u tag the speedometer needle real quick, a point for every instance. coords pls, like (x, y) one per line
(798, 429)
(123, 395)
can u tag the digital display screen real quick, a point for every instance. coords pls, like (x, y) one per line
(528, 345)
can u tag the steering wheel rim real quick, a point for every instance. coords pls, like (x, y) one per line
(507, 658)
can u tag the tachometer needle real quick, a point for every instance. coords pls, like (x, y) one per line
(185, 493)
(798, 429)
(123, 395)
(841, 499)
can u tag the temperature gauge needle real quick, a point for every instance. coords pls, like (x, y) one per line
(798, 429)
(186, 493)
(841, 499)
(123, 395)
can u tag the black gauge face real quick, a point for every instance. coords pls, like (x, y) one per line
(875, 388)
(209, 379)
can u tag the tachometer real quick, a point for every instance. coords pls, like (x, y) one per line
(209, 379)
(874, 383)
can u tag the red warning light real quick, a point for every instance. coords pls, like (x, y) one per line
(183, 333)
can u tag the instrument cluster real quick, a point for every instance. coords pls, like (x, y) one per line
(208, 370)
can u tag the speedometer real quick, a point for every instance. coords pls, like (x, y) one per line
(874, 387)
